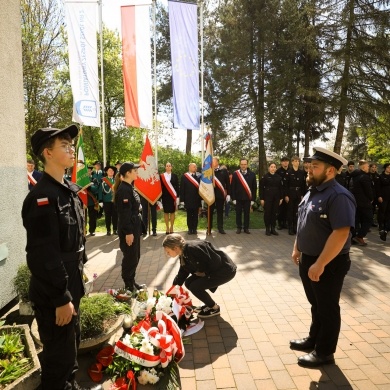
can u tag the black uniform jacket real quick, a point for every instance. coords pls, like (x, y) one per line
(127, 203)
(189, 194)
(362, 189)
(223, 176)
(383, 186)
(294, 180)
(238, 191)
(54, 219)
(202, 256)
(271, 185)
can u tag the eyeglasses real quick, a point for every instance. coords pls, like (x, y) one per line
(66, 148)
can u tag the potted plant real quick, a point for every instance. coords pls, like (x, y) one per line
(19, 363)
(21, 284)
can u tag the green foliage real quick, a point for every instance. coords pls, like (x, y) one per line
(21, 282)
(13, 363)
(97, 312)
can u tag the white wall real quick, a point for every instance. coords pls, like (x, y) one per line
(13, 180)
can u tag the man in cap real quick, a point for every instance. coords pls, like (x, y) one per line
(321, 250)
(54, 220)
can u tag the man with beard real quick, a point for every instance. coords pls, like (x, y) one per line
(321, 250)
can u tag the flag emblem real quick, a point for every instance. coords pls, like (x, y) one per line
(42, 201)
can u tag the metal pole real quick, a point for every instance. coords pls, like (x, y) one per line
(201, 79)
(103, 124)
(155, 84)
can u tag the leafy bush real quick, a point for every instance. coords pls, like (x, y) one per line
(97, 312)
(21, 282)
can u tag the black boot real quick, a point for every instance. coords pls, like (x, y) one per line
(273, 231)
(291, 230)
(383, 235)
(267, 231)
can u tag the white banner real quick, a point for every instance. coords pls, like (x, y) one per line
(81, 20)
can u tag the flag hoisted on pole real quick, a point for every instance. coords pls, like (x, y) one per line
(148, 183)
(185, 68)
(206, 186)
(137, 64)
(80, 170)
(81, 25)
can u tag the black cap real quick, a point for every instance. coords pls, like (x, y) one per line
(126, 166)
(351, 163)
(39, 138)
(119, 162)
(327, 156)
(385, 165)
(112, 167)
(97, 162)
(285, 159)
(90, 167)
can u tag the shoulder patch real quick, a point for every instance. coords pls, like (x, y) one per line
(42, 201)
(125, 200)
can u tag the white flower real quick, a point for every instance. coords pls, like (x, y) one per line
(146, 376)
(143, 377)
(164, 304)
(146, 347)
(150, 303)
(127, 340)
(152, 377)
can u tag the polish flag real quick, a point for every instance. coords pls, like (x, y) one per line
(137, 64)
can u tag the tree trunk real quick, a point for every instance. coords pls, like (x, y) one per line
(189, 142)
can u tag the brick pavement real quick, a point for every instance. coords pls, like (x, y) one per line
(247, 347)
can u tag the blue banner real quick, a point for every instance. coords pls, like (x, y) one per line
(185, 68)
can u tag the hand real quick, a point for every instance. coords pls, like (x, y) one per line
(177, 201)
(234, 202)
(159, 205)
(201, 274)
(252, 203)
(64, 314)
(262, 203)
(296, 256)
(227, 198)
(101, 204)
(129, 239)
(280, 201)
(315, 271)
(380, 199)
(286, 199)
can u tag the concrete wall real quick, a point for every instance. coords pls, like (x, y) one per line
(13, 179)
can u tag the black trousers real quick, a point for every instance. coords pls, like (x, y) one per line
(324, 297)
(198, 285)
(243, 206)
(110, 216)
(271, 205)
(363, 221)
(59, 354)
(131, 256)
(218, 204)
(145, 215)
(292, 207)
(92, 218)
(192, 219)
(282, 214)
(384, 215)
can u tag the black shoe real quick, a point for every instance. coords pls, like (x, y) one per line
(209, 312)
(154, 234)
(291, 231)
(198, 309)
(92, 234)
(280, 227)
(273, 231)
(267, 231)
(108, 233)
(238, 231)
(189, 232)
(76, 386)
(194, 232)
(221, 231)
(306, 344)
(383, 235)
(140, 286)
(374, 224)
(115, 233)
(314, 360)
(247, 231)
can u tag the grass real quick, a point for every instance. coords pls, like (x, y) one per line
(256, 222)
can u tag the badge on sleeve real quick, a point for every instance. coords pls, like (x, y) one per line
(42, 201)
(125, 200)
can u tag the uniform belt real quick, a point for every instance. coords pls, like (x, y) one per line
(72, 256)
(295, 188)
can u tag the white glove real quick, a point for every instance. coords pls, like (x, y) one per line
(252, 203)
(101, 204)
(159, 205)
(227, 198)
(181, 203)
(234, 202)
(177, 201)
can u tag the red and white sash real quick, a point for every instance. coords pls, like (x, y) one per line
(31, 179)
(107, 181)
(168, 185)
(244, 184)
(220, 186)
(191, 179)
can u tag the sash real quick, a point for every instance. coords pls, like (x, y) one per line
(31, 179)
(191, 179)
(95, 201)
(168, 185)
(244, 184)
(220, 186)
(105, 179)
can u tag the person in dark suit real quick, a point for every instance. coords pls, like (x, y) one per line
(190, 198)
(383, 194)
(348, 177)
(282, 212)
(243, 193)
(222, 193)
(32, 175)
(208, 266)
(170, 196)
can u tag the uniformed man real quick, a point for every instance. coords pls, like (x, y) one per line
(222, 193)
(374, 176)
(282, 211)
(295, 183)
(93, 202)
(243, 192)
(32, 175)
(107, 197)
(54, 220)
(190, 198)
(383, 193)
(97, 177)
(348, 177)
(321, 250)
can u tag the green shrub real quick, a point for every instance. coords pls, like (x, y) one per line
(21, 282)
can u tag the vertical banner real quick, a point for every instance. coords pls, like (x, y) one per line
(137, 65)
(148, 182)
(80, 170)
(206, 186)
(81, 25)
(185, 68)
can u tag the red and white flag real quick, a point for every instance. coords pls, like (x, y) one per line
(148, 183)
(137, 64)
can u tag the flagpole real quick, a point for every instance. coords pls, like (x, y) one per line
(155, 83)
(103, 124)
(201, 76)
